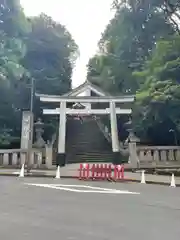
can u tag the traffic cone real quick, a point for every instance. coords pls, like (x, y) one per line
(173, 184)
(22, 171)
(58, 175)
(143, 177)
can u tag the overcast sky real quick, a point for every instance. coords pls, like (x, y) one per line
(85, 19)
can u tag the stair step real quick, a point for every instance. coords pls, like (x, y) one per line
(86, 142)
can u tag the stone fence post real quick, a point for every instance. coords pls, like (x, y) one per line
(133, 157)
(49, 154)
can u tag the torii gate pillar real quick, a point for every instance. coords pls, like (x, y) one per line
(114, 132)
(61, 158)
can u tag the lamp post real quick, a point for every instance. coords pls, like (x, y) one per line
(32, 95)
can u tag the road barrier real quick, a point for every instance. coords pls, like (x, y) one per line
(101, 172)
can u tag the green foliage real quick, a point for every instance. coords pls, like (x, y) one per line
(170, 8)
(139, 53)
(159, 96)
(13, 29)
(36, 48)
(126, 44)
(50, 49)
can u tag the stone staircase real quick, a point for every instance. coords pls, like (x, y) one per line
(85, 142)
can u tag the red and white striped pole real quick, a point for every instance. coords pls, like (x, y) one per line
(80, 171)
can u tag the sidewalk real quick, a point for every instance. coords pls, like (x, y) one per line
(72, 172)
(151, 178)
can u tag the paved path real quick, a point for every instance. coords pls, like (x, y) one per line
(43, 209)
(72, 171)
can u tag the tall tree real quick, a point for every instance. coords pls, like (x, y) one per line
(37, 49)
(132, 44)
(51, 52)
(50, 57)
(170, 8)
(158, 99)
(13, 29)
(127, 43)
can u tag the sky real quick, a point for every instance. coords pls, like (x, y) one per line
(84, 19)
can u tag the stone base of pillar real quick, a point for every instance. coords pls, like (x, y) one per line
(61, 159)
(117, 158)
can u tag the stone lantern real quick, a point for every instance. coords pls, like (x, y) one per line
(39, 130)
(131, 137)
(132, 141)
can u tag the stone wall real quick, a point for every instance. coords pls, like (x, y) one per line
(159, 155)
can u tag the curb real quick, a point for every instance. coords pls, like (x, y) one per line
(127, 180)
(150, 182)
(35, 175)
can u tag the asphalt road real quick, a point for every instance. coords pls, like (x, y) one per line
(30, 212)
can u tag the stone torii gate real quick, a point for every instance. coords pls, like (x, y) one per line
(86, 100)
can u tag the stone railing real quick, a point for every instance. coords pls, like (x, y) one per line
(162, 156)
(148, 156)
(104, 129)
(16, 157)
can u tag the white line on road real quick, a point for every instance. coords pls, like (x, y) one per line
(72, 188)
(84, 186)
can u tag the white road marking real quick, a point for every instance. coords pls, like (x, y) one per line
(91, 189)
(83, 186)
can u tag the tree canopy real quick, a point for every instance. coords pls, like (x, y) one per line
(158, 98)
(139, 53)
(35, 48)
